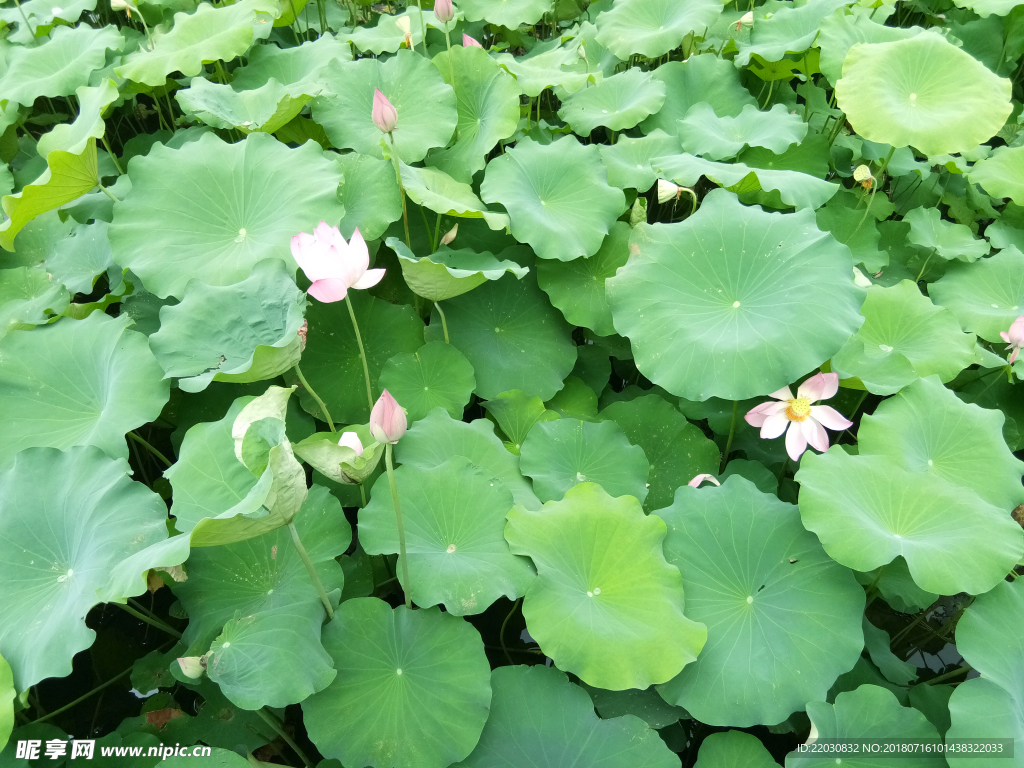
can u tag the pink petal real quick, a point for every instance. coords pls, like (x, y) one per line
(829, 417)
(1005, 336)
(388, 421)
(369, 279)
(821, 386)
(796, 443)
(815, 434)
(469, 42)
(329, 290)
(783, 394)
(756, 416)
(775, 425)
(324, 232)
(384, 114)
(351, 440)
(358, 253)
(1013, 357)
(316, 260)
(695, 483)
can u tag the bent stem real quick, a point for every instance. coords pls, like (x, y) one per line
(444, 321)
(362, 352)
(272, 721)
(732, 434)
(151, 621)
(315, 396)
(150, 448)
(401, 527)
(311, 570)
(401, 190)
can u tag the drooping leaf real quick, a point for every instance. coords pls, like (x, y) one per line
(387, 35)
(434, 189)
(303, 63)
(702, 132)
(629, 160)
(946, 239)
(447, 272)
(340, 463)
(369, 192)
(652, 28)
(703, 78)
(77, 260)
(436, 374)
(618, 102)
(788, 29)
(516, 414)
(28, 297)
(42, 16)
(548, 64)
(507, 13)
(267, 108)
(733, 748)
(1000, 173)
(985, 297)
(895, 669)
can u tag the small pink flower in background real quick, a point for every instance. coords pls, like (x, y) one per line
(332, 265)
(387, 419)
(695, 483)
(444, 11)
(469, 42)
(351, 440)
(1015, 338)
(385, 116)
(806, 422)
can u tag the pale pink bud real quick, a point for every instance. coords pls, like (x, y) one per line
(444, 11)
(351, 440)
(387, 419)
(1015, 338)
(469, 42)
(385, 116)
(695, 483)
(448, 236)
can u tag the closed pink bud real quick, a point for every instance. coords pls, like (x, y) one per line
(443, 10)
(387, 420)
(384, 115)
(469, 42)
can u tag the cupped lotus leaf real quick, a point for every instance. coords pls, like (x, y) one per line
(676, 449)
(447, 272)
(304, 63)
(77, 382)
(577, 287)
(436, 374)
(605, 606)
(454, 517)
(511, 335)
(539, 719)
(703, 78)
(867, 510)
(487, 98)
(946, 239)
(702, 132)
(388, 34)
(434, 189)
(425, 672)
(208, 34)
(95, 517)
(549, 64)
(516, 414)
(369, 191)
(628, 161)
(557, 196)
(212, 210)
(28, 296)
(840, 31)
(618, 102)
(506, 13)
(869, 712)
(425, 104)
(711, 305)
(766, 590)
(1000, 173)
(904, 337)
(733, 749)
(790, 29)
(244, 332)
(339, 462)
(331, 362)
(436, 438)
(267, 108)
(986, 8)
(575, 400)
(923, 92)
(559, 455)
(985, 297)
(652, 28)
(42, 16)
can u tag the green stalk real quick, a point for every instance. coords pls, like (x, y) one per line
(437, 234)
(444, 321)
(270, 720)
(423, 27)
(362, 352)
(945, 676)
(152, 622)
(315, 396)
(451, 65)
(401, 189)
(321, 6)
(113, 157)
(732, 434)
(401, 527)
(311, 570)
(150, 448)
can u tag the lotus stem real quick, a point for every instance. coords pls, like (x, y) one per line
(270, 720)
(401, 527)
(448, 44)
(311, 570)
(167, 462)
(401, 190)
(362, 352)
(946, 675)
(732, 434)
(113, 157)
(152, 622)
(423, 27)
(876, 185)
(444, 321)
(321, 6)
(315, 396)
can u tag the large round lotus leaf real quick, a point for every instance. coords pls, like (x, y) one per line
(677, 450)
(331, 362)
(557, 196)
(413, 688)
(208, 34)
(93, 516)
(242, 332)
(1001, 174)
(267, 108)
(733, 749)
(539, 720)
(617, 103)
(488, 105)
(369, 192)
(559, 455)
(447, 273)
(211, 210)
(766, 590)
(652, 28)
(985, 297)
(438, 437)
(867, 510)
(77, 382)
(904, 337)
(424, 102)
(28, 297)
(505, 13)
(702, 132)
(512, 336)
(840, 31)
(703, 78)
(628, 160)
(605, 606)
(434, 189)
(923, 92)
(454, 517)
(711, 305)
(870, 712)
(305, 62)
(436, 374)
(948, 240)
(789, 29)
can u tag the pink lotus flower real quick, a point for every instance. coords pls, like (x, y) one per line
(806, 422)
(469, 42)
(332, 265)
(387, 419)
(444, 11)
(695, 483)
(385, 116)
(1015, 338)
(351, 440)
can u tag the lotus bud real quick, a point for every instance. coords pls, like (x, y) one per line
(385, 116)
(444, 11)
(387, 419)
(469, 42)
(193, 667)
(747, 18)
(667, 191)
(695, 483)
(122, 5)
(448, 236)
(862, 175)
(1014, 337)
(351, 440)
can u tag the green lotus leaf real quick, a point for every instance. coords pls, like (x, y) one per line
(766, 590)
(436, 190)
(424, 102)
(869, 712)
(1000, 174)
(454, 516)
(897, 587)
(549, 64)
(790, 29)
(946, 239)
(28, 297)
(702, 132)
(369, 192)
(557, 196)
(677, 450)
(7, 696)
(618, 102)
(447, 273)
(331, 361)
(211, 210)
(436, 374)
(387, 36)
(652, 28)
(77, 260)
(516, 414)
(985, 8)
(703, 78)
(843, 218)
(95, 517)
(303, 64)
(600, 566)
(645, 704)
(511, 335)
(709, 314)
(923, 92)
(77, 382)
(559, 455)
(575, 400)
(985, 297)
(267, 108)
(629, 161)
(507, 13)
(981, 709)
(840, 31)
(895, 669)
(339, 462)
(904, 337)
(43, 16)
(732, 749)
(208, 34)
(244, 332)
(425, 672)
(487, 98)
(540, 719)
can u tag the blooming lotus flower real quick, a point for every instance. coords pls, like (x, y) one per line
(444, 11)
(385, 116)
(806, 422)
(387, 419)
(1015, 338)
(351, 440)
(469, 42)
(695, 483)
(332, 265)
